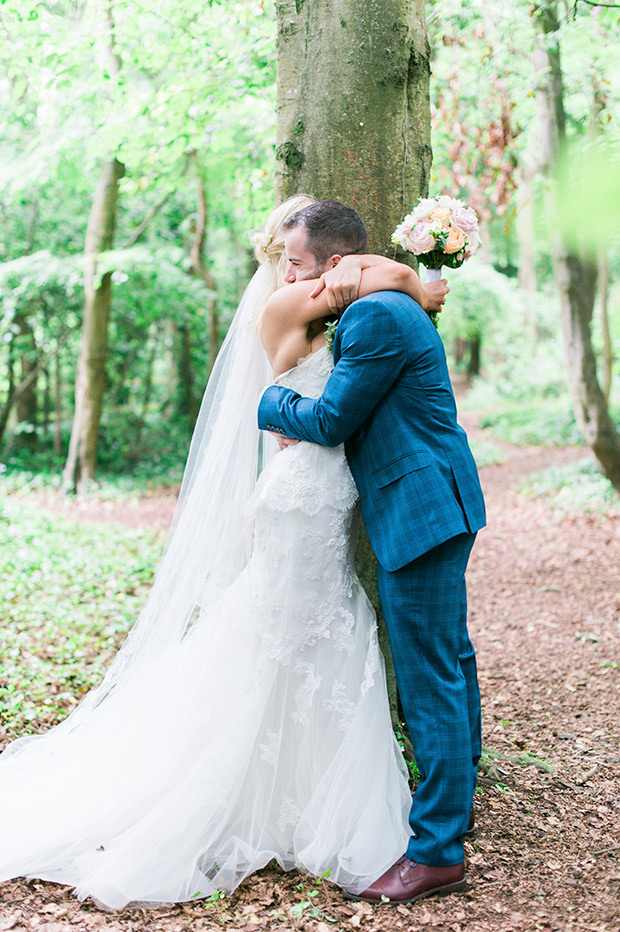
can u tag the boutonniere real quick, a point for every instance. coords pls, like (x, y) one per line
(330, 333)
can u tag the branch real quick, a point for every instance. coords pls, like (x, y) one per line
(198, 244)
(139, 230)
(610, 6)
(42, 362)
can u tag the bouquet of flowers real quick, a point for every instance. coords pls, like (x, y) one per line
(440, 231)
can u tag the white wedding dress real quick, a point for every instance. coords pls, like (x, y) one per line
(264, 732)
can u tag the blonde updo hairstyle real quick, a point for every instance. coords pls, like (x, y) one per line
(269, 244)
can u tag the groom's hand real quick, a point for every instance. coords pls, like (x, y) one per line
(435, 294)
(341, 283)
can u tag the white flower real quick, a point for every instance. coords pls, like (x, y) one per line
(424, 208)
(444, 200)
(403, 230)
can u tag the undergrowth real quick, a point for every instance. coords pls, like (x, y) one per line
(68, 595)
(575, 487)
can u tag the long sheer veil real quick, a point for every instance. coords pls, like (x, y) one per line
(210, 539)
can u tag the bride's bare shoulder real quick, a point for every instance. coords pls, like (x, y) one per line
(291, 306)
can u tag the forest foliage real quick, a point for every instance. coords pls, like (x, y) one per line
(190, 115)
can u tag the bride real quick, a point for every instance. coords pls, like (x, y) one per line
(245, 718)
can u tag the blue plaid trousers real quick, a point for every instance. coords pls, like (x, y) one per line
(425, 608)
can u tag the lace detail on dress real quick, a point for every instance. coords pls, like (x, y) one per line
(270, 749)
(305, 513)
(373, 661)
(289, 814)
(306, 476)
(341, 705)
(304, 696)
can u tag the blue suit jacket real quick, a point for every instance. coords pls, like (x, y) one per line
(389, 399)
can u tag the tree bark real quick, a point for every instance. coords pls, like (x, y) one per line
(187, 401)
(200, 267)
(607, 358)
(353, 112)
(57, 405)
(526, 229)
(353, 123)
(90, 380)
(27, 402)
(575, 274)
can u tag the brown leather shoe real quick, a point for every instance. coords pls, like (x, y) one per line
(408, 881)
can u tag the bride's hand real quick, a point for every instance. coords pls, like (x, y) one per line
(341, 283)
(284, 441)
(435, 294)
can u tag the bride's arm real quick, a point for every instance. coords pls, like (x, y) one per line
(342, 283)
(292, 307)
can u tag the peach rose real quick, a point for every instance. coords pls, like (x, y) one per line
(456, 240)
(442, 214)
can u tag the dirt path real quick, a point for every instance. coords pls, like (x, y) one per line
(545, 618)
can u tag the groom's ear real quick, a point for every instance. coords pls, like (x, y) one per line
(333, 261)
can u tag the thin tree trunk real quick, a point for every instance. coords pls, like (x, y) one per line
(90, 381)
(26, 400)
(575, 275)
(200, 267)
(353, 123)
(475, 348)
(189, 404)
(5, 410)
(148, 384)
(57, 406)
(526, 229)
(45, 421)
(607, 358)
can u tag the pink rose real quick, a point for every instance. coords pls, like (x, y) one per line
(421, 240)
(473, 241)
(465, 219)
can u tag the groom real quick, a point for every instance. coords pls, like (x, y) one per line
(390, 401)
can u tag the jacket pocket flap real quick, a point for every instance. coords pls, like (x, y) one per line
(407, 463)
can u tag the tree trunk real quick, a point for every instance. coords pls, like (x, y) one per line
(5, 410)
(353, 123)
(26, 402)
(353, 112)
(575, 274)
(200, 267)
(475, 348)
(526, 229)
(90, 380)
(188, 404)
(607, 358)
(57, 405)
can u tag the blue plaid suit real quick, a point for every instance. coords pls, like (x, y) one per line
(390, 401)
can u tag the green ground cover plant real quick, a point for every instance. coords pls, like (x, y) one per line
(486, 453)
(68, 595)
(535, 423)
(575, 487)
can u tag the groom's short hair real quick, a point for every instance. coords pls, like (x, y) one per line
(333, 228)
